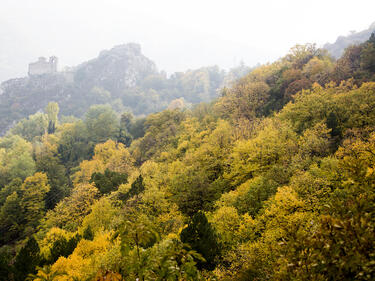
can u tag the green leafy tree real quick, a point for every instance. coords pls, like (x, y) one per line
(35, 126)
(11, 219)
(137, 234)
(74, 144)
(368, 56)
(13, 186)
(161, 133)
(124, 135)
(52, 111)
(70, 212)
(102, 123)
(34, 190)
(16, 160)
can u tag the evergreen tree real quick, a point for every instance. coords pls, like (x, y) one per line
(333, 124)
(63, 248)
(124, 136)
(109, 180)
(368, 55)
(52, 110)
(5, 258)
(11, 219)
(26, 260)
(136, 188)
(88, 234)
(57, 178)
(202, 238)
(34, 190)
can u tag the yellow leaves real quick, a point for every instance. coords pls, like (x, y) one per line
(318, 69)
(357, 158)
(87, 168)
(48, 145)
(38, 183)
(353, 108)
(53, 235)
(244, 100)
(275, 143)
(89, 258)
(154, 174)
(103, 216)
(72, 267)
(286, 201)
(247, 228)
(227, 222)
(86, 248)
(315, 141)
(222, 136)
(285, 214)
(112, 155)
(230, 198)
(105, 151)
(108, 276)
(262, 73)
(370, 171)
(69, 212)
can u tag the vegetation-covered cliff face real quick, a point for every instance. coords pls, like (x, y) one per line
(274, 180)
(337, 48)
(122, 77)
(116, 70)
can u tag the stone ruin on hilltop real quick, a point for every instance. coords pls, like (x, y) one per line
(42, 66)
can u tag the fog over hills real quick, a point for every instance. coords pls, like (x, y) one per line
(177, 36)
(122, 77)
(141, 140)
(342, 42)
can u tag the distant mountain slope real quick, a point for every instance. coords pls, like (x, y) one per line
(122, 77)
(342, 42)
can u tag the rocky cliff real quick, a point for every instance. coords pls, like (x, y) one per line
(120, 68)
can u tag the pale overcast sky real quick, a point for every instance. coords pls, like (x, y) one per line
(176, 35)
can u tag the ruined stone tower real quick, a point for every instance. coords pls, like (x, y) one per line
(42, 66)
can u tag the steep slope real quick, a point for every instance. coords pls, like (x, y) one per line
(122, 77)
(120, 68)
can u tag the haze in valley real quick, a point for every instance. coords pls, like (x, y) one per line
(177, 35)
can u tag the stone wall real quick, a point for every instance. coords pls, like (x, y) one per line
(42, 66)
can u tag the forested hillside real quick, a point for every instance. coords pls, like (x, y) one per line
(121, 77)
(273, 180)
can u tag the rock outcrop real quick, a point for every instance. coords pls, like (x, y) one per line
(119, 68)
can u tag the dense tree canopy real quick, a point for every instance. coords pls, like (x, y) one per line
(274, 180)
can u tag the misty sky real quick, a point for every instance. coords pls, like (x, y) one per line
(176, 35)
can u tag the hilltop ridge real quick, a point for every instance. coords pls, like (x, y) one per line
(121, 76)
(337, 48)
